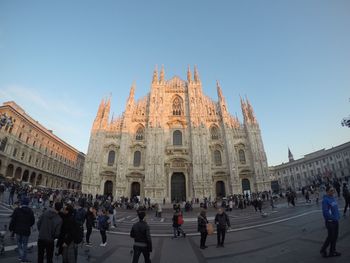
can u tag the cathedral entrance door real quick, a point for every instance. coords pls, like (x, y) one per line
(108, 189)
(220, 189)
(178, 187)
(135, 189)
(246, 186)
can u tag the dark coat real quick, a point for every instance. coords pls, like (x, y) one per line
(222, 220)
(22, 220)
(90, 218)
(49, 225)
(202, 224)
(140, 233)
(69, 230)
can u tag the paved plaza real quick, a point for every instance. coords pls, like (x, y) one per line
(287, 234)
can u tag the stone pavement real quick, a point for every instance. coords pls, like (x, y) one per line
(294, 235)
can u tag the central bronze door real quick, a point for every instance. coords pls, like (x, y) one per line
(178, 187)
(135, 189)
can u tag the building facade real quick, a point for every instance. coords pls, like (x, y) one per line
(331, 163)
(175, 143)
(30, 153)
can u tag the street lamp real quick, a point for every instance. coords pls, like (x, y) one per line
(5, 121)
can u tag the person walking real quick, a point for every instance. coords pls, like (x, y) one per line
(202, 228)
(140, 232)
(177, 223)
(22, 220)
(222, 221)
(346, 195)
(103, 225)
(90, 220)
(49, 226)
(331, 217)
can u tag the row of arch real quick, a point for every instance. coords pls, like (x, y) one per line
(36, 179)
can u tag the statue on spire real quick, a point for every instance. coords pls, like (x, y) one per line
(155, 75)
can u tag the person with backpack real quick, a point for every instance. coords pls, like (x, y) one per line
(22, 219)
(49, 226)
(222, 221)
(177, 223)
(103, 225)
(69, 236)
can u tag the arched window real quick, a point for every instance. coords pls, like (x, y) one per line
(177, 137)
(137, 158)
(139, 134)
(217, 158)
(214, 132)
(3, 143)
(111, 158)
(177, 106)
(241, 156)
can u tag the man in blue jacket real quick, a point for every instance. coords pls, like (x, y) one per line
(331, 215)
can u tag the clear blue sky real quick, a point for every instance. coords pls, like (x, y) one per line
(291, 58)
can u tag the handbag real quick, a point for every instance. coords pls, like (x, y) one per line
(210, 228)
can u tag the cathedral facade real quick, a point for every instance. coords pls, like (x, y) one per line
(175, 143)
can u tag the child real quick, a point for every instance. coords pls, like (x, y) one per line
(103, 225)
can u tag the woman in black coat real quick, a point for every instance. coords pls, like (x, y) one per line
(202, 228)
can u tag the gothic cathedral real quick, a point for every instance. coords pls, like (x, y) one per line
(175, 143)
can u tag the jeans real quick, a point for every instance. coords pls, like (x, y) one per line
(22, 243)
(203, 239)
(104, 236)
(221, 232)
(48, 246)
(332, 228)
(137, 253)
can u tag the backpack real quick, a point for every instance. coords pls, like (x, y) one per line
(180, 220)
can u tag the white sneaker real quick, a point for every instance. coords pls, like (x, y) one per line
(103, 244)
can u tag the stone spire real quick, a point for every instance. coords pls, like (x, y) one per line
(251, 112)
(101, 109)
(99, 116)
(105, 118)
(189, 77)
(131, 94)
(155, 76)
(290, 155)
(244, 110)
(161, 75)
(196, 75)
(218, 88)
